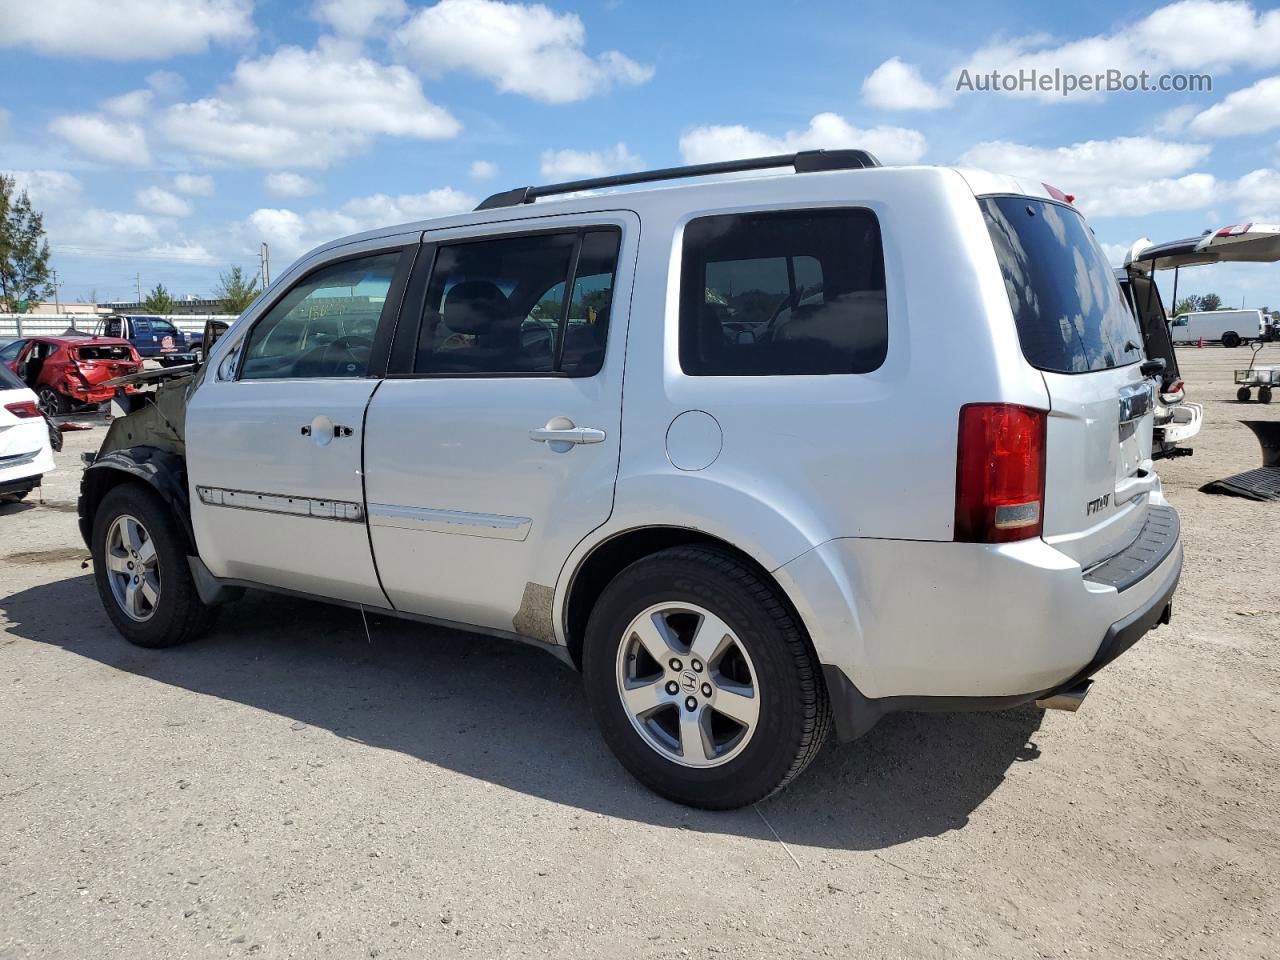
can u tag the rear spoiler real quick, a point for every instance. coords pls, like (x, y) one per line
(1237, 243)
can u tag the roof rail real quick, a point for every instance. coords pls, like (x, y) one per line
(807, 161)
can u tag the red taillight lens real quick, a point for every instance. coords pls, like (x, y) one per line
(999, 473)
(23, 409)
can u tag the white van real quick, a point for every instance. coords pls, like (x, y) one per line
(1228, 327)
(884, 444)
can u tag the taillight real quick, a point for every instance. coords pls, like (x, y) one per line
(23, 409)
(1000, 473)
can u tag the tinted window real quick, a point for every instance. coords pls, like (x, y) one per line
(163, 327)
(9, 380)
(9, 353)
(795, 292)
(1065, 300)
(324, 326)
(498, 306)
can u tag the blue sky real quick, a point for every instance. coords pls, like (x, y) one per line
(170, 137)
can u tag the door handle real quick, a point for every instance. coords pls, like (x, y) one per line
(567, 435)
(338, 430)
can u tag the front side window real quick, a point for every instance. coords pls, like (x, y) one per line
(9, 353)
(783, 293)
(499, 306)
(324, 326)
(1066, 303)
(163, 327)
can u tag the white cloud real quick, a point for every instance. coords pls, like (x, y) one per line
(522, 48)
(825, 131)
(1254, 109)
(357, 18)
(1258, 194)
(305, 108)
(895, 85)
(104, 138)
(291, 233)
(289, 184)
(1174, 121)
(159, 201)
(483, 170)
(166, 83)
(1191, 35)
(572, 164)
(133, 104)
(48, 189)
(123, 29)
(1127, 176)
(193, 185)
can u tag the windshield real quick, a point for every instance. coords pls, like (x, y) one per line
(1064, 297)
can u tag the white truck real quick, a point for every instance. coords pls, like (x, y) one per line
(1228, 327)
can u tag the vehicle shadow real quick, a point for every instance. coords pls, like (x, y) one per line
(516, 717)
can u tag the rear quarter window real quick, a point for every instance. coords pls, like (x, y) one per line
(780, 293)
(1066, 303)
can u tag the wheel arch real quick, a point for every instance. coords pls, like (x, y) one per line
(163, 471)
(606, 559)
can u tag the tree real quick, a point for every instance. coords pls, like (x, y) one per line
(158, 301)
(1186, 305)
(234, 291)
(1210, 301)
(24, 251)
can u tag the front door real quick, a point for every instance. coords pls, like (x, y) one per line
(492, 447)
(274, 434)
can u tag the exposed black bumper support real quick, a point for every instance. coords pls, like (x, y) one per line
(855, 713)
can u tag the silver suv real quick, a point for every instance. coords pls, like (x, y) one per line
(758, 455)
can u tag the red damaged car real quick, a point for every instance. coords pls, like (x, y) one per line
(66, 372)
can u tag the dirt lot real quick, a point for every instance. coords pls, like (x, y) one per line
(286, 788)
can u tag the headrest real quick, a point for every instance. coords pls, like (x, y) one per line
(474, 307)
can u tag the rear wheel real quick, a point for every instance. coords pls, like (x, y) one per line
(140, 567)
(1264, 394)
(1243, 394)
(52, 403)
(1231, 339)
(701, 680)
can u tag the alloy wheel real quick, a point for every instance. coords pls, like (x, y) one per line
(133, 568)
(688, 685)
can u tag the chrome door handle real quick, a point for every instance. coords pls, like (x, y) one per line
(567, 435)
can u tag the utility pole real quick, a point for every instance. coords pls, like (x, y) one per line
(264, 257)
(57, 305)
(137, 282)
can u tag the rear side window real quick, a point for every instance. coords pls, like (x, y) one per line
(1065, 300)
(789, 292)
(499, 306)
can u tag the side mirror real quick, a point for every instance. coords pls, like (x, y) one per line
(213, 329)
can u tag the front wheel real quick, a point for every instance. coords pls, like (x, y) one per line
(702, 681)
(1264, 394)
(140, 567)
(1230, 339)
(1243, 394)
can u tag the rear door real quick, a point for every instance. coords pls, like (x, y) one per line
(1075, 328)
(492, 447)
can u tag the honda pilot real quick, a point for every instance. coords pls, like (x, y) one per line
(760, 456)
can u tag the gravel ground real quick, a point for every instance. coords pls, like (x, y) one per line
(287, 788)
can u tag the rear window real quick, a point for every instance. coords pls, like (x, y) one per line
(104, 353)
(786, 292)
(1065, 300)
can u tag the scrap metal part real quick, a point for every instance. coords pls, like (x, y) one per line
(1263, 483)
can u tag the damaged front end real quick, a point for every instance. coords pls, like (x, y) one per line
(147, 443)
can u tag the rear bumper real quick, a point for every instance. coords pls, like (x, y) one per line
(913, 625)
(854, 714)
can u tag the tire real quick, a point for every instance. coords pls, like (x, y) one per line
(1231, 339)
(175, 615)
(762, 652)
(1264, 394)
(1243, 394)
(52, 403)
